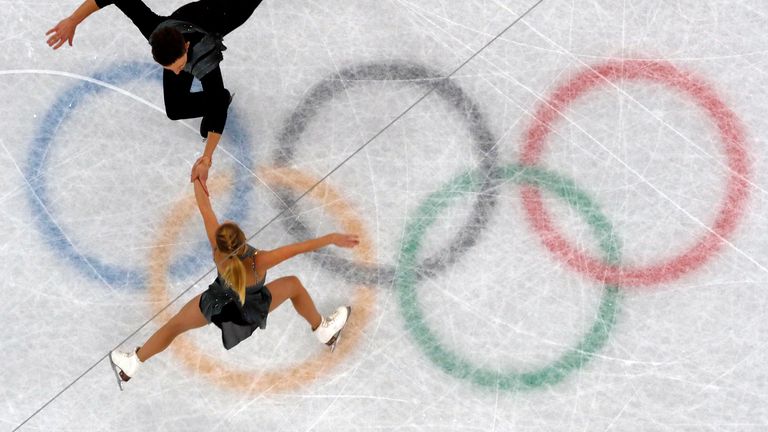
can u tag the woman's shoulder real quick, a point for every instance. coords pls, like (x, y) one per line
(249, 252)
(219, 256)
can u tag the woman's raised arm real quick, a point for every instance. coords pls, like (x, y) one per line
(206, 211)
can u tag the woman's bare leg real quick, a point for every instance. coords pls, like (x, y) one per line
(188, 318)
(290, 287)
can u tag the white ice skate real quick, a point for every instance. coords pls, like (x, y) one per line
(124, 365)
(329, 331)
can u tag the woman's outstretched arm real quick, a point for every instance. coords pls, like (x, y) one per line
(207, 213)
(269, 259)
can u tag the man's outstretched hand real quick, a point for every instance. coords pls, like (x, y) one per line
(63, 32)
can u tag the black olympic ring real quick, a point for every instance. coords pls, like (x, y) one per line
(415, 74)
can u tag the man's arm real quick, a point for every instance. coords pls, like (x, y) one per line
(64, 31)
(141, 16)
(218, 99)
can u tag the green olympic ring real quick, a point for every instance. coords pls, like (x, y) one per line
(452, 363)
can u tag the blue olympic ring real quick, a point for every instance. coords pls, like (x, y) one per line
(38, 192)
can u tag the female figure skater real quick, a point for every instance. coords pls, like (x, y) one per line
(238, 301)
(188, 44)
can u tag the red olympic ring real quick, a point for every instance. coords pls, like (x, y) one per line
(731, 134)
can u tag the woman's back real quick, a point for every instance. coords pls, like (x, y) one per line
(253, 275)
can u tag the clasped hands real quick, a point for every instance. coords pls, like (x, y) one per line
(200, 171)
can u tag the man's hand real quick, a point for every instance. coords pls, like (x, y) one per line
(200, 172)
(63, 32)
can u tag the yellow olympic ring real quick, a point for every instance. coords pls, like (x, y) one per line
(291, 377)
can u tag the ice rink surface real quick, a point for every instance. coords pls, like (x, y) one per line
(563, 218)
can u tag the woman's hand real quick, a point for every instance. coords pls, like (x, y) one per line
(63, 32)
(344, 240)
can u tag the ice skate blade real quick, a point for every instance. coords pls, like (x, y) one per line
(117, 371)
(337, 337)
(334, 340)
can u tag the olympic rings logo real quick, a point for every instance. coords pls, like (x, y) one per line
(482, 183)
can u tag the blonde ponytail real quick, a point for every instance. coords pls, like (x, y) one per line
(230, 240)
(234, 274)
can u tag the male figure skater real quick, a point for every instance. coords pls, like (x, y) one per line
(188, 44)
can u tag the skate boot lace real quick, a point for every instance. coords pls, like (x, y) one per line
(332, 317)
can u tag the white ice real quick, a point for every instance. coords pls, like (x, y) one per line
(501, 334)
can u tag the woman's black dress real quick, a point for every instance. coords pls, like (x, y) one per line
(221, 306)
